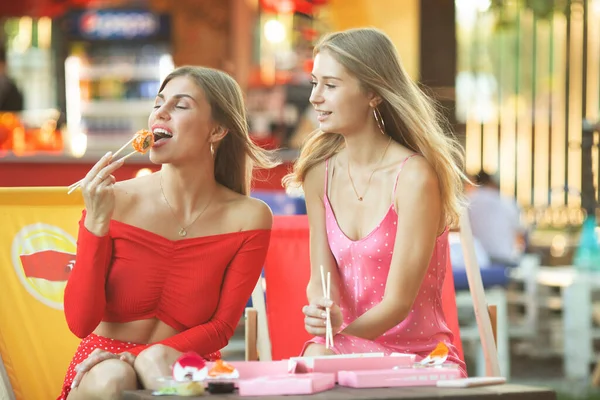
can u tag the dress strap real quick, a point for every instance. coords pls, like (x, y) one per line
(398, 174)
(326, 176)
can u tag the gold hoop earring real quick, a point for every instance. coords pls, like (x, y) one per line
(212, 150)
(379, 120)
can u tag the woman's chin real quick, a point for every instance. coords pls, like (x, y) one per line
(329, 130)
(157, 158)
(325, 128)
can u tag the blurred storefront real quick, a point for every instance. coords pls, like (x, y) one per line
(115, 61)
(89, 70)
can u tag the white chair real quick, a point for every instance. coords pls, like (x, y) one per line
(257, 340)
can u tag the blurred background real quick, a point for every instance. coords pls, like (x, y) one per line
(518, 80)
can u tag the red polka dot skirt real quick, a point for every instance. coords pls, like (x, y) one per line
(92, 342)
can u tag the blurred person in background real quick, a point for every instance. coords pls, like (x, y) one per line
(11, 98)
(495, 221)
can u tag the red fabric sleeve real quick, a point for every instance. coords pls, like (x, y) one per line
(239, 282)
(85, 299)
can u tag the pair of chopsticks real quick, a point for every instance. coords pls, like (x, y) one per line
(327, 295)
(75, 185)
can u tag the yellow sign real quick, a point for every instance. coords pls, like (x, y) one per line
(37, 249)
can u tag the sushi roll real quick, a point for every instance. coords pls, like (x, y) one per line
(143, 141)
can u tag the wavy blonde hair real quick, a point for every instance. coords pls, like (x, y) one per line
(410, 116)
(236, 154)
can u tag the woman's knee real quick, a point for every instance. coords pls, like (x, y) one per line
(107, 380)
(317, 349)
(156, 355)
(153, 363)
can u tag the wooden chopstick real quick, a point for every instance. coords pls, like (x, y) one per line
(75, 185)
(127, 156)
(329, 328)
(327, 294)
(124, 146)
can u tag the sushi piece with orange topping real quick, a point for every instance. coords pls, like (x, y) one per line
(223, 370)
(437, 356)
(143, 141)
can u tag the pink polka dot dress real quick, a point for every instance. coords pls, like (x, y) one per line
(363, 266)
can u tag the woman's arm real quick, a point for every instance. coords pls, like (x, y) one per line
(85, 299)
(320, 253)
(420, 216)
(239, 281)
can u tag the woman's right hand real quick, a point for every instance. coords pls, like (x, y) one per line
(98, 195)
(95, 358)
(315, 316)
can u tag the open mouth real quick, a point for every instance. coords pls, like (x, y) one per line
(161, 134)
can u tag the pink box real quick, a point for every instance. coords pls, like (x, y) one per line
(288, 384)
(349, 362)
(256, 369)
(412, 376)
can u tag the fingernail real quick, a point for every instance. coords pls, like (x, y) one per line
(108, 154)
(73, 385)
(323, 315)
(329, 303)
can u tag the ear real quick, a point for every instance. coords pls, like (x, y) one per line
(374, 100)
(218, 134)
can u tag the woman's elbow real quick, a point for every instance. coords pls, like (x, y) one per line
(224, 332)
(79, 328)
(80, 320)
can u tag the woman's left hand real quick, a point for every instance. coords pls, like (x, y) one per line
(127, 357)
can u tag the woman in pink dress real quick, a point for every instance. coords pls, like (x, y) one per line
(382, 185)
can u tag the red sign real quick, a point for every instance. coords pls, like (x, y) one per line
(39, 8)
(289, 6)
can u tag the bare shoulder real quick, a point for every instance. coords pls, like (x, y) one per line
(253, 213)
(314, 182)
(420, 176)
(129, 193)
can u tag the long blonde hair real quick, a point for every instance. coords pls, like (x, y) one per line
(410, 116)
(236, 154)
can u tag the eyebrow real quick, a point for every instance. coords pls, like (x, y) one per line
(178, 96)
(328, 77)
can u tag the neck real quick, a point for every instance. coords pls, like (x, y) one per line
(365, 150)
(188, 188)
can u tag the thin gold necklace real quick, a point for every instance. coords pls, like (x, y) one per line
(358, 196)
(183, 230)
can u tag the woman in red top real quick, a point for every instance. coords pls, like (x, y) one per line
(166, 262)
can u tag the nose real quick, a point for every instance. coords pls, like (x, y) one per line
(315, 96)
(162, 112)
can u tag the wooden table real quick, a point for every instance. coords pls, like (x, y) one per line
(498, 392)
